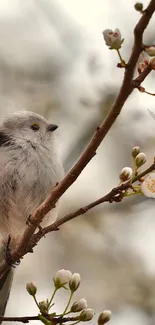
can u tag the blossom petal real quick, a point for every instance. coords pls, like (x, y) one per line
(148, 186)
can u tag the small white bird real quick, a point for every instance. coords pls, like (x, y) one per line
(29, 168)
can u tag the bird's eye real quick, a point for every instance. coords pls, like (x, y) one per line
(35, 127)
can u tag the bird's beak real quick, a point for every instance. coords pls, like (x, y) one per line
(52, 127)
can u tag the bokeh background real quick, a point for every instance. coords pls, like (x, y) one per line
(53, 61)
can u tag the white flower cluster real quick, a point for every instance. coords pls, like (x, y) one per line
(61, 279)
(127, 174)
(147, 184)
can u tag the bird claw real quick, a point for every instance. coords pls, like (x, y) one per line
(7, 254)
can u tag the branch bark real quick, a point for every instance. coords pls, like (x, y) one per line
(125, 90)
(137, 81)
(26, 319)
(112, 196)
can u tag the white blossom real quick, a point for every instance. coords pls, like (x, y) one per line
(148, 185)
(140, 159)
(113, 39)
(31, 288)
(143, 63)
(135, 151)
(104, 317)
(150, 50)
(79, 305)
(126, 174)
(74, 281)
(86, 315)
(61, 278)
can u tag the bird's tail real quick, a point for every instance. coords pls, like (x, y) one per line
(5, 287)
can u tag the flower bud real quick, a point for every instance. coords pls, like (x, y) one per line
(140, 159)
(113, 39)
(135, 151)
(126, 174)
(79, 305)
(61, 278)
(148, 186)
(104, 317)
(43, 306)
(138, 6)
(31, 288)
(142, 65)
(74, 282)
(86, 315)
(150, 50)
(141, 89)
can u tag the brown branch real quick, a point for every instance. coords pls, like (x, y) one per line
(145, 172)
(26, 319)
(126, 89)
(137, 81)
(110, 197)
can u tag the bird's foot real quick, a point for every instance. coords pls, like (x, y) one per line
(7, 254)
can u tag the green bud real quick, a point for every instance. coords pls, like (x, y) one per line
(135, 151)
(140, 159)
(61, 278)
(86, 315)
(138, 6)
(126, 174)
(31, 288)
(43, 306)
(104, 317)
(74, 282)
(79, 305)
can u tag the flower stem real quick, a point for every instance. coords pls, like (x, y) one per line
(147, 92)
(66, 313)
(34, 297)
(131, 194)
(135, 168)
(70, 298)
(121, 59)
(54, 292)
(78, 321)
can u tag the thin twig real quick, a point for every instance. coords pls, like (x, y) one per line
(148, 93)
(107, 198)
(125, 90)
(137, 81)
(26, 319)
(145, 172)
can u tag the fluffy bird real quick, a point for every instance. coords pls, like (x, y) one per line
(29, 167)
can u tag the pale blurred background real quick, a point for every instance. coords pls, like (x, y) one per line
(53, 60)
